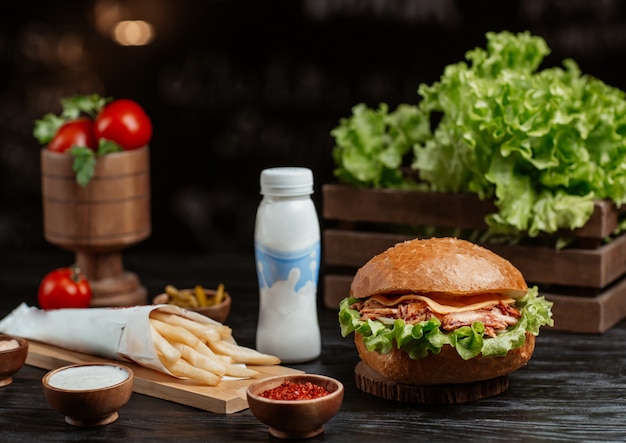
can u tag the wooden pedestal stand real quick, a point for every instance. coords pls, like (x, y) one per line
(372, 382)
(97, 222)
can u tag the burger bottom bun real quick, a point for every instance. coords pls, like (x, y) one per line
(447, 367)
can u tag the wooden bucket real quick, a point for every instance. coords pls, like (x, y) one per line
(111, 212)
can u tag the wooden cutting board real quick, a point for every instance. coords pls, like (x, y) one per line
(227, 397)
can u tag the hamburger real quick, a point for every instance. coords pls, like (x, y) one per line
(442, 311)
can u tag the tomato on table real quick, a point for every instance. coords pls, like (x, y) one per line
(124, 122)
(64, 288)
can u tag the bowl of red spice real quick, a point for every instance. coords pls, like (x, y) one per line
(295, 406)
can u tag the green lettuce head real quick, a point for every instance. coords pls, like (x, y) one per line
(542, 142)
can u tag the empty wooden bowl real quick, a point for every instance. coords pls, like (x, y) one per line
(218, 312)
(89, 394)
(13, 352)
(295, 419)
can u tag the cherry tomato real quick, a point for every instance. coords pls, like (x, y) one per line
(124, 122)
(79, 132)
(64, 288)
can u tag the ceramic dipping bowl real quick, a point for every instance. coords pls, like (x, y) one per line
(89, 394)
(218, 312)
(295, 419)
(13, 352)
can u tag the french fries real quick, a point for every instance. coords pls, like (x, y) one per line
(207, 333)
(201, 360)
(243, 355)
(183, 369)
(164, 349)
(202, 352)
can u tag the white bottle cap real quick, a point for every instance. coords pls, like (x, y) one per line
(287, 181)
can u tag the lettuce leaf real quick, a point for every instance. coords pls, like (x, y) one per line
(372, 144)
(543, 144)
(469, 341)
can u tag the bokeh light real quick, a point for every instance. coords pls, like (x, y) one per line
(133, 33)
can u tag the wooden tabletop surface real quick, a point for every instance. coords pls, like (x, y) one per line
(573, 389)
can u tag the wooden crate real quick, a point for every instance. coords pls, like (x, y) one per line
(587, 283)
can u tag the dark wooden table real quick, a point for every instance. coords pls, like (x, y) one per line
(574, 388)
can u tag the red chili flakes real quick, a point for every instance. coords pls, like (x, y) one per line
(295, 391)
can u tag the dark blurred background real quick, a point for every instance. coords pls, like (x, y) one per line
(236, 86)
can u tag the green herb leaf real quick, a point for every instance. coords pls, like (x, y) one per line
(107, 147)
(84, 164)
(74, 107)
(47, 127)
(85, 159)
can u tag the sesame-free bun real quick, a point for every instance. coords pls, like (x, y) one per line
(444, 368)
(437, 266)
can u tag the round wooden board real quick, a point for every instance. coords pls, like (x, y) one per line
(373, 383)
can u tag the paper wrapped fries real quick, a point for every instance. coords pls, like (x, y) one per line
(163, 337)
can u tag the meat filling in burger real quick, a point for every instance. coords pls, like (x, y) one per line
(412, 310)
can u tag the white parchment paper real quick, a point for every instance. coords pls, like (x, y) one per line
(115, 333)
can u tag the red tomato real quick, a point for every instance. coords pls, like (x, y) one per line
(79, 132)
(64, 288)
(124, 122)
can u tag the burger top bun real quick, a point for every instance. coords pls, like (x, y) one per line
(438, 266)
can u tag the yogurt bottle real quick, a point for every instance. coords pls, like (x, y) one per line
(287, 253)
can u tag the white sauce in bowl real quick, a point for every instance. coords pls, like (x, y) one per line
(6, 345)
(87, 377)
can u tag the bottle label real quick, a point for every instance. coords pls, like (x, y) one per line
(297, 269)
(287, 324)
